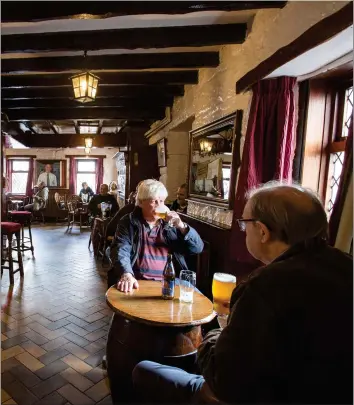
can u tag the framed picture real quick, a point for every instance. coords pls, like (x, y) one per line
(161, 152)
(51, 172)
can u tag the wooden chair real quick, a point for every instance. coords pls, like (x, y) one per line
(60, 201)
(77, 215)
(107, 237)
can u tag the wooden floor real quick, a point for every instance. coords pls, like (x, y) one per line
(54, 324)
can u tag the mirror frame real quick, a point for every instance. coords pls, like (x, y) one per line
(234, 119)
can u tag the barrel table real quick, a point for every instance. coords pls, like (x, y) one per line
(146, 327)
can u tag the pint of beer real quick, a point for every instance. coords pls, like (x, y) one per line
(161, 211)
(223, 285)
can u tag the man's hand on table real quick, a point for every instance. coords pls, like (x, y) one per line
(127, 282)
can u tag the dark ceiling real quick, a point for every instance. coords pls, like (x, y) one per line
(141, 67)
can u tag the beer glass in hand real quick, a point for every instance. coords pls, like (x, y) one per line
(161, 211)
(223, 285)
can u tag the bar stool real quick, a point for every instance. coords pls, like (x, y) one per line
(9, 229)
(24, 218)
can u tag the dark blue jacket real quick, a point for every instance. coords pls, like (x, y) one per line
(128, 239)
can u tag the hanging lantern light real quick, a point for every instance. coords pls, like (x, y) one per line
(88, 142)
(85, 86)
(205, 146)
(87, 151)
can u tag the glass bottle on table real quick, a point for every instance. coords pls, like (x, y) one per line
(168, 281)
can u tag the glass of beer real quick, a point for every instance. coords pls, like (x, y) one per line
(223, 285)
(161, 211)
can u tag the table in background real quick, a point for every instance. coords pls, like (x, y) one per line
(147, 327)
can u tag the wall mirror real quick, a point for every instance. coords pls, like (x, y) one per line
(214, 160)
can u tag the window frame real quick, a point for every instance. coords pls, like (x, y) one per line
(323, 131)
(12, 171)
(84, 172)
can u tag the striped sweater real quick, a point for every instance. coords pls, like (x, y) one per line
(153, 254)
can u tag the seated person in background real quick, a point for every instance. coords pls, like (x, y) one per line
(39, 199)
(113, 189)
(144, 239)
(180, 204)
(289, 337)
(95, 202)
(86, 193)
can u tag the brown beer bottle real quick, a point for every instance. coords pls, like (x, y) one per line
(168, 281)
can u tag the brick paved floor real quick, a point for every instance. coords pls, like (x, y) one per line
(54, 324)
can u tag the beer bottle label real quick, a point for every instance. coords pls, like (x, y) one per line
(168, 288)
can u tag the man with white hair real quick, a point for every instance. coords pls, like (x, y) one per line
(40, 199)
(289, 337)
(144, 240)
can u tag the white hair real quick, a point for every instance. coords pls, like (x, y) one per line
(150, 189)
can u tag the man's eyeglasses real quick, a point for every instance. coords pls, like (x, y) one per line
(242, 223)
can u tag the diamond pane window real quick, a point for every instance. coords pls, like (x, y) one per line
(86, 173)
(337, 161)
(20, 165)
(348, 111)
(19, 174)
(86, 166)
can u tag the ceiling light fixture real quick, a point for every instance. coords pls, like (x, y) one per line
(85, 86)
(87, 151)
(205, 146)
(88, 142)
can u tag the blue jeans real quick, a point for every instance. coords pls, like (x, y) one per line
(156, 383)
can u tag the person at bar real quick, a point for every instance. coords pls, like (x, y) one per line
(86, 193)
(94, 205)
(289, 336)
(40, 199)
(144, 239)
(180, 204)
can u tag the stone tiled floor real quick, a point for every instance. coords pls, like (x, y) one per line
(54, 324)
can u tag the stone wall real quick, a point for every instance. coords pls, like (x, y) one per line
(214, 96)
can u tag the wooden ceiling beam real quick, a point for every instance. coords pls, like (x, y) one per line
(40, 11)
(136, 61)
(33, 114)
(13, 129)
(101, 102)
(163, 92)
(106, 78)
(130, 38)
(52, 127)
(74, 140)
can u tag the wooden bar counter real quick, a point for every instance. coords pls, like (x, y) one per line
(147, 327)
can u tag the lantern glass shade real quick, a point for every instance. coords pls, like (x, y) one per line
(87, 151)
(88, 142)
(205, 146)
(85, 86)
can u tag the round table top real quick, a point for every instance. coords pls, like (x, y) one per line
(146, 305)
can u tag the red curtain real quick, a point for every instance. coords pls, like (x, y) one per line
(268, 150)
(99, 174)
(8, 175)
(29, 186)
(72, 176)
(343, 187)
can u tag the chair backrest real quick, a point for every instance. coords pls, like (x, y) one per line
(60, 201)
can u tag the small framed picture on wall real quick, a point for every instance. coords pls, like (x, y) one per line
(161, 152)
